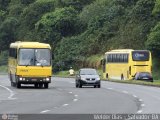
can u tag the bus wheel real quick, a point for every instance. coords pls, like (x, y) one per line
(122, 77)
(107, 78)
(40, 85)
(18, 85)
(10, 77)
(45, 85)
(36, 85)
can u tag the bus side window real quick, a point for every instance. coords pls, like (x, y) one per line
(13, 52)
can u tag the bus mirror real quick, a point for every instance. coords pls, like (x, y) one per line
(102, 62)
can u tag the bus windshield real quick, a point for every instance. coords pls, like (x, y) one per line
(34, 57)
(140, 55)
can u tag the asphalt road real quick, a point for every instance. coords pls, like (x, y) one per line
(63, 98)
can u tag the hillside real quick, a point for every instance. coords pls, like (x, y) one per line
(78, 29)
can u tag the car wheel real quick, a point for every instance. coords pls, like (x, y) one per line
(76, 85)
(95, 86)
(80, 85)
(99, 86)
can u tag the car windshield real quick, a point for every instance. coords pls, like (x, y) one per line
(88, 72)
(144, 74)
(34, 57)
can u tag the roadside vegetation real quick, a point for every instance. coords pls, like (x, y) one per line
(81, 31)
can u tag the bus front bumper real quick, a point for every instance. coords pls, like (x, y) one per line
(32, 80)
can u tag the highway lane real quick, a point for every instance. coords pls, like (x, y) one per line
(62, 97)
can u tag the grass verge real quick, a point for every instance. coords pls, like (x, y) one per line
(156, 83)
(62, 74)
(3, 69)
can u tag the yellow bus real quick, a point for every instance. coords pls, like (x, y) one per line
(123, 64)
(30, 63)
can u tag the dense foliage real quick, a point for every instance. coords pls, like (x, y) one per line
(77, 29)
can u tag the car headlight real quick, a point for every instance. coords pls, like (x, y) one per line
(97, 78)
(83, 78)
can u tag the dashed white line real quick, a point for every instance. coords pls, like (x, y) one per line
(142, 105)
(125, 92)
(140, 100)
(11, 92)
(60, 89)
(135, 96)
(70, 92)
(110, 88)
(72, 82)
(75, 100)
(76, 95)
(45, 111)
(140, 111)
(65, 105)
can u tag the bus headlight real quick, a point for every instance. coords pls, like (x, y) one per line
(20, 79)
(47, 79)
(24, 79)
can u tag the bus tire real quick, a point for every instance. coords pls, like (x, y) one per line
(107, 77)
(10, 77)
(36, 85)
(122, 77)
(18, 85)
(40, 85)
(45, 85)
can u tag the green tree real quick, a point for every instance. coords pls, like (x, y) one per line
(60, 22)
(7, 35)
(153, 41)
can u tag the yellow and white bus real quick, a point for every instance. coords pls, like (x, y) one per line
(30, 63)
(123, 64)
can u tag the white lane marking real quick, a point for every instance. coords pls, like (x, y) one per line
(142, 105)
(140, 111)
(75, 100)
(140, 100)
(60, 89)
(65, 105)
(11, 92)
(45, 111)
(125, 92)
(110, 88)
(72, 82)
(76, 95)
(70, 92)
(135, 96)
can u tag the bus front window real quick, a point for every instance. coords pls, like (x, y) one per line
(42, 57)
(34, 57)
(26, 57)
(140, 56)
